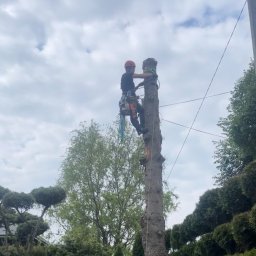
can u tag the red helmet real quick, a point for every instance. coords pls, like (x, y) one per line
(129, 63)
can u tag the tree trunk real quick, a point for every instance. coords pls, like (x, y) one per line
(153, 225)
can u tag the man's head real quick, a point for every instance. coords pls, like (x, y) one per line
(129, 66)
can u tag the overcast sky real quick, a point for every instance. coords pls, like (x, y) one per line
(61, 63)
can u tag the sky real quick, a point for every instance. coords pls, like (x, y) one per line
(61, 62)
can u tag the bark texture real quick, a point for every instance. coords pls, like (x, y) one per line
(153, 224)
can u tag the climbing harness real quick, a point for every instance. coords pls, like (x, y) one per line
(127, 105)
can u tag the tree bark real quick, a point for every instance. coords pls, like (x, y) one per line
(153, 224)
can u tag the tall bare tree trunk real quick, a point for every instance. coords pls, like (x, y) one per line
(153, 225)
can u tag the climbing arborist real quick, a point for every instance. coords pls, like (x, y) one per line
(128, 88)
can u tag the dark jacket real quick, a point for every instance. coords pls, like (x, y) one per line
(127, 84)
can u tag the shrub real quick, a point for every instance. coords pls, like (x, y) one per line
(224, 237)
(12, 251)
(187, 250)
(207, 246)
(38, 251)
(243, 232)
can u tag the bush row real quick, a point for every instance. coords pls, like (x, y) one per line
(237, 236)
(216, 207)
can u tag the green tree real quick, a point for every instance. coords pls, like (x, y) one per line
(21, 202)
(232, 198)
(210, 211)
(248, 181)
(46, 197)
(233, 153)
(207, 246)
(224, 237)
(104, 184)
(243, 231)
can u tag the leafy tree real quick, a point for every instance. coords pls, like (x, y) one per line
(224, 237)
(168, 239)
(104, 185)
(21, 202)
(210, 211)
(25, 230)
(243, 232)
(239, 126)
(176, 239)
(186, 250)
(46, 197)
(248, 181)
(232, 198)
(207, 246)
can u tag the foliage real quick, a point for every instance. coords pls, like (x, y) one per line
(207, 246)
(3, 191)
(252, 217)
(119, 251)
(104, 184)
(186, 250)
(243, 232)
(167, 238)
(248, 181)
(26, 229)
(137, 249)
(232, 198)
(14, 215)
(239, 126)
(19, 201)
(84, 248)
(210, 210)
(224, 237)
(48, 196)
(247, 253)
(176, 240)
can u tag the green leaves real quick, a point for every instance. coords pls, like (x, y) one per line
(104, 184)
(18, 201)
(48, 196)
(233, 153)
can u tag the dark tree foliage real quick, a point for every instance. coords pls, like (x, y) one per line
(243, 232)
(176, 237)
(19, 201)
(137, 249)
(189, 228)
(207, 246)
(232, 198)
(210, 210)
(239, 126)
(3, 191)
(25, 230)
(48, 196)
(224, 237)
(248, 181)
(186, 250)
(168, 239)
(252, 217)
(119, 251)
